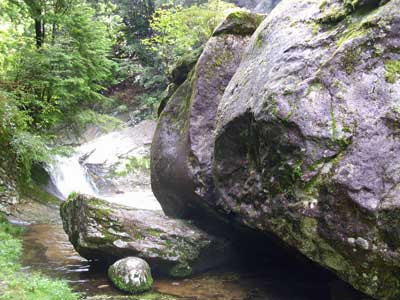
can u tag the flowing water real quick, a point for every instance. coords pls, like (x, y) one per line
(47, 249)
(90, 170)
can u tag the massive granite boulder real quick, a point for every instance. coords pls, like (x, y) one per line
(100, 230)
(182, 146)
(307, 140)
(307, 143)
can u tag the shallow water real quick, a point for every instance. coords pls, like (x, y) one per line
(47, 249)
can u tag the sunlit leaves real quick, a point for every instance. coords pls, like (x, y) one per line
(178, 30)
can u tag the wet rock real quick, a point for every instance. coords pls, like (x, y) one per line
(104, 231)
(122, 166)
(110, 165)
(182, 145)
(184, 65)
(179, 73)
(307, 138)
(306, 143)
(239, 22)
(131, 274)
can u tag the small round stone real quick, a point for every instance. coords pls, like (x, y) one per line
(131, 274)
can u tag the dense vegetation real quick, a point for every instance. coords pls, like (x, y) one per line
(60, 62)
(60, 59)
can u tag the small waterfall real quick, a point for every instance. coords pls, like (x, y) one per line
(91, 169)
(69, 176)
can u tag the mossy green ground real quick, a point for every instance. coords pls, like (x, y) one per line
(16, 284)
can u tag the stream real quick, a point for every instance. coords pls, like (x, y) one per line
(47, 249)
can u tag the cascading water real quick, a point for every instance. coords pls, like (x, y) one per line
(93, 168)
(68, 175)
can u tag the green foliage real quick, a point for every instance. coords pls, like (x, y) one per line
(80, 121)
(135, 164)
(57, 59)
(20, 147)
(24, 286)
(136, 15)
(49, 75)
(35, 192)
(67, 71)
(72, 196)
(179, 30)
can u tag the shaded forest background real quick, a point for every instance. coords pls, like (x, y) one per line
(67, 64)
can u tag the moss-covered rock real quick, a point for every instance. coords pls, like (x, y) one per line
(303, 143)
(131, 274)
(184, 65)
(182, 144)
(239, 22)
(316, 166)
(100, 230)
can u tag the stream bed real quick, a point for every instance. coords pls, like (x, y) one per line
(47, 250)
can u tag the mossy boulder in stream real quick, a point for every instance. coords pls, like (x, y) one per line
(131, 274)
(108, 232)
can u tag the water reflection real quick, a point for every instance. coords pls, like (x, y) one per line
(47, 249)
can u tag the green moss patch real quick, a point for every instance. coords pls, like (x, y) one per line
(392, 68)
(181, 270)
(38, 194)
(240, 22)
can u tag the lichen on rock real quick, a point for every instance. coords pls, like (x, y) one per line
(104, 231)
(131, 274)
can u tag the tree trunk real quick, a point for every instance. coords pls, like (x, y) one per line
(39, 33)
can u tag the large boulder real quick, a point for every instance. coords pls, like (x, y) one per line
(100, 230)
(182, 145)
(307, 145)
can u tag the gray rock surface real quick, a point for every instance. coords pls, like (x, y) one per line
(107, 157)
(101, 230)
(131, 274)
(306, 144)
(182, 145)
